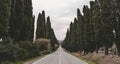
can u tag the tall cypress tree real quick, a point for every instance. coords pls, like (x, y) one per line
(16, 20)
(107, 28)
(53, 40)
(32, 28)
(5, 7)
(21, 21)
(41, 29)
(96, 22)
(118, 26)
(50, 34)
(48, 28)
(44, 23)
(79, 29)
(87, 26)
(66, 42)
(28, 22)
(76, 35)
(73, 35)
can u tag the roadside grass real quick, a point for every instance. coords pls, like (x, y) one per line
(31, 60)
(27, 61)
(84, 59)
(81, 58)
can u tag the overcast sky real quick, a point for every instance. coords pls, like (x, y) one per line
(61, 12)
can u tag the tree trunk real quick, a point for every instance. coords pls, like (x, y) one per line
(118, 50)
(106, 50)
(97, 49)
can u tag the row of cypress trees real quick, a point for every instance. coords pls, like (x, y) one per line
(17, 31)
(99, 26)
(44, 30)
(4, 17)
(17, 20)
(21, 24)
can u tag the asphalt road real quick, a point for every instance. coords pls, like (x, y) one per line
(59, 57)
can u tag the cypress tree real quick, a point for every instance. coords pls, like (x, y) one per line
(32, 29)
(107, 28)
(21, 21)
(53, 40)
(66, 42)
(44, 23)
(41, 26)
(49, 33)
(76, 35)
(87, 30)
(79, 29)
(28, 22)
(72, 36)
(16, 20)
(48, 28)
(96, 22)
(5, 7)
(118, 26)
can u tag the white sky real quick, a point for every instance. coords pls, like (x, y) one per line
(61, 13)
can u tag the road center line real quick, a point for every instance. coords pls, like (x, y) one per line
(60, 57)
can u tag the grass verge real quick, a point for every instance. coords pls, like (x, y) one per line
(81, 58)
(27, 61)
(84, 59)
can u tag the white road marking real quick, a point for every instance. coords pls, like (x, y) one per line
(60, 56)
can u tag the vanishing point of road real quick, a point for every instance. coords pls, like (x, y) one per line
(59, 57)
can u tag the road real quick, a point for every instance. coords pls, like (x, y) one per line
(59, 57)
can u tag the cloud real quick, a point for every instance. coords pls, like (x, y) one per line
(62, 12)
